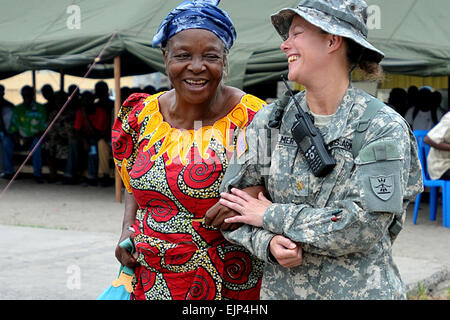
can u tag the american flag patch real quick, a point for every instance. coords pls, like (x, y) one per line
(241, 143)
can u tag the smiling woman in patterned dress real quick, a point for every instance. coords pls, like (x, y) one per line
(172, 149)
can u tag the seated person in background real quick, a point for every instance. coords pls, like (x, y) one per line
(435, 103)
(398, 99)
(29, 121)
(51, 144)
(55, 147)
(413, 92)
(49, 95)
(91, 123)
(423, 116)
(6, 146)
(104, 141)
(104, 157)
(125, 92)
(73, 168)
(438, 160)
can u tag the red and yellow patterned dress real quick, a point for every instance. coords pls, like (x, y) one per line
(174, 176)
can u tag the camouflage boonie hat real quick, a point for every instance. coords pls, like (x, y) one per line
(346, 18)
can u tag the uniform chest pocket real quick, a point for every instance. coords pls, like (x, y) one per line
(333, 186)
(289, 175)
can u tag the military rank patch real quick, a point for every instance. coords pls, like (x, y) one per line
(241, 143)
(382, 186)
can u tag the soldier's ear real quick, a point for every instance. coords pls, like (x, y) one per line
(334, 42)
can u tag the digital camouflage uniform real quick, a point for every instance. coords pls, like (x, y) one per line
(341, 220)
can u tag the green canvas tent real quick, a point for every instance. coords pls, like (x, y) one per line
(46, 35)
(67, 35)
(414, 35)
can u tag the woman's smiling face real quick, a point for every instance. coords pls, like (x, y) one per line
(194, 62)
(305, 49)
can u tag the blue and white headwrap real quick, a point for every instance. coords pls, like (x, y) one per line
(197, 14)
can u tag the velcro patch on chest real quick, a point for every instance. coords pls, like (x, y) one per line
(241, 143)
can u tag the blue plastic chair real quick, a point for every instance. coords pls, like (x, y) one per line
(434, 185)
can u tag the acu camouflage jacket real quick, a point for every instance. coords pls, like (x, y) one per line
(341, 220)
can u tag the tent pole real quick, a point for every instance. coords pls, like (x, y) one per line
(61, 80)
(117, 104)
(33, 77)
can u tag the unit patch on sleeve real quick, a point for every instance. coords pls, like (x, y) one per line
(383, 186)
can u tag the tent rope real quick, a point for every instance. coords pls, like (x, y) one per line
(96, 60)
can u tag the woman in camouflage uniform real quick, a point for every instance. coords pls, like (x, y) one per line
(325, 237)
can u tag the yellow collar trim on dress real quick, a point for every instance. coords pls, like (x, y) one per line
(178, 142)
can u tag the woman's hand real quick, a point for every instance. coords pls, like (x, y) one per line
(216, 215)
(286, 252)
(251, 209)
(123, 255)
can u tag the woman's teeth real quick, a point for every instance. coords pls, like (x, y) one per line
(292, 59)
(196, 82)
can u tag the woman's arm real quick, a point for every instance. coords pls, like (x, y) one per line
(123, 255)
(216, 215)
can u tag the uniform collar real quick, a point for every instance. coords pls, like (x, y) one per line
(338, 124)
(340, 119)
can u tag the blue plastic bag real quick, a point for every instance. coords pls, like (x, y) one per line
(121, 287)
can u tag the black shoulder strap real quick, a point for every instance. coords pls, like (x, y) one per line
(278, 110)
(373, 107)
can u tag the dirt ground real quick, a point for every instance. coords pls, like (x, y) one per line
(56, 206)
(94, 209)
